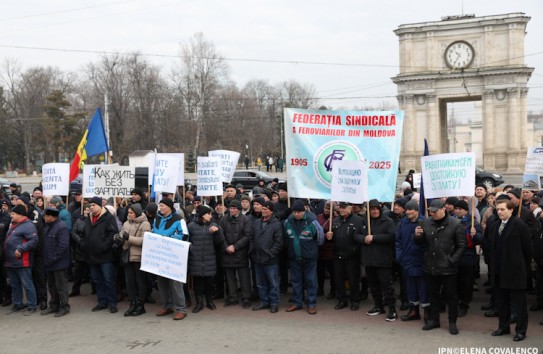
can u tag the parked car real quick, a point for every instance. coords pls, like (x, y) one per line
(249, 179)
(489, 179)
(4, 183)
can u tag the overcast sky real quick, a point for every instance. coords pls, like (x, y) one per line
(300, 34)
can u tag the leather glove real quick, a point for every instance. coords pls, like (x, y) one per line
(125, 235)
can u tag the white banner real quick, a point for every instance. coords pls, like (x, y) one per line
(416, 180)
(229, 160)
(165, 256)
(448, 175)
(88, 181)
(55, 179)
(350, 181)
(167, 172)
(533, 170)
(114, 180)
(208, 177)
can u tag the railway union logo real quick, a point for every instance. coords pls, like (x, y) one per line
(330, 152)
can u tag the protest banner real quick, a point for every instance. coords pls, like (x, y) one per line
(166, 172)
(88, 181)
(448, 175)
(229, 160)
(316, 138)
(113, 180)
(533, 170)
(208, 176)
(416, 180)
(165, 256)
(349, 181)
(55, 179)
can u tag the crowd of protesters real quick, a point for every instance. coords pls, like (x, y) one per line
(248, 248)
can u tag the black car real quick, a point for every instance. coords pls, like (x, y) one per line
(249, 179)
(4, 184)
(489, 179)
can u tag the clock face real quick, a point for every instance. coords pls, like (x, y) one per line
(459, 55)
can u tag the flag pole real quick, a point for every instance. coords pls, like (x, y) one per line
(368, 215)
(472, 211)
(106, 119)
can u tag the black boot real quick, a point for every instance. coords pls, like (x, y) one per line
(210, 304)
(452, 327)
(139, 308)
(413, 314)
(199, 304)
(426, 313)
(131, 309)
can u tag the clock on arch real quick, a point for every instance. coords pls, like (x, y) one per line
(459, 55)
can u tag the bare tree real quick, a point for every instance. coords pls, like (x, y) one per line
(27, 93)
(198, 79)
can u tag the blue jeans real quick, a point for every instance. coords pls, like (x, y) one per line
(104, 278)
(417, 290)
(267, 280)
(20, 278)
(304, 272)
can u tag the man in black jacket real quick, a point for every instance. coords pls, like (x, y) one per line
(97, 243)
(445, 243)
(347, 255)
(511, 254)
(235, 260)
(266, 242)
(377, 255)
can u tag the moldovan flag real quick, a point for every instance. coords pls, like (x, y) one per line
(93, 143)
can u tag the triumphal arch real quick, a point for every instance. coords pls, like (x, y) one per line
(465, 58)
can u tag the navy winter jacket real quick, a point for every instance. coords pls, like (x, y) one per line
(56, 250)
(409, 254)
(22, 237)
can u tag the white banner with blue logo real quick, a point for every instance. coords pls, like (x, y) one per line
(315, 138)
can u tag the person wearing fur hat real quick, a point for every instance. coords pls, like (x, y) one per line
(303, 235)
(136, 280)
(169, 224)
(56, 256)
(97, 243)
(467, 266)
(205, 237)
(21, 241)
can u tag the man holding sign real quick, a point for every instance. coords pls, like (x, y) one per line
(169, 224)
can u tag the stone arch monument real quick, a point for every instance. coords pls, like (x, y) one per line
(465, 58)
